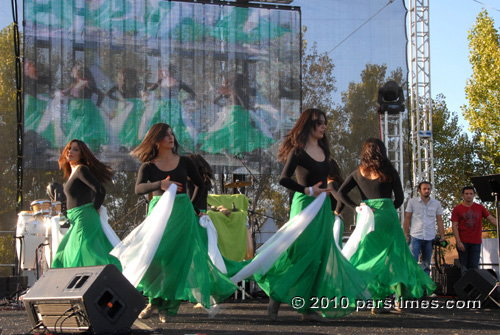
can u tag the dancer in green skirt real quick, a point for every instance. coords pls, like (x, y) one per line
(312, 266)
(84, 119)
(383, 251)
(235, 123)
(85, 243)
(128, 111)
(168, 108)
(37, 117)
(181, 268)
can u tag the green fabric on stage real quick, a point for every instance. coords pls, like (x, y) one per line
(128, 135)
(236, 135)
(232, 28)
(313, 267)
(34, 109)
(85, 243)
(232, 230)
(86, 124)
(181, 268)
(385, 253)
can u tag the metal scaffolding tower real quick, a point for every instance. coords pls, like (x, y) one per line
(420, 93)
(391, 130)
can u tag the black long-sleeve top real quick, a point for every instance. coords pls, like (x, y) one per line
(82, 188)
(201, 201)
(334, 186)
(174, 90)
(150, 176)
(310, 173)
(115, 93)
(370, 189)
(84, 91)
(32, 85)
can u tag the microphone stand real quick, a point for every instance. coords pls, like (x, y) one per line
(17, 261)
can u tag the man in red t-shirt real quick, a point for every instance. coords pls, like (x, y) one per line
(467, 223)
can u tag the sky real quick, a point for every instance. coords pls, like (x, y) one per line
(450, 21)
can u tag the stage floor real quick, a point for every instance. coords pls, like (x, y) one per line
(250, 317)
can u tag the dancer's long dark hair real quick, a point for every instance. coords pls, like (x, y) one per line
(147, 151)
(100, 170)
(374, 159)
(297, 137)
(335, 173)
(129, 85)
(206, 171)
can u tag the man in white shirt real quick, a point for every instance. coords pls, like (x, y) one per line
(421, 214)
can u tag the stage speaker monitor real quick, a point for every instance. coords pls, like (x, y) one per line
(476, 285)
(97, 299)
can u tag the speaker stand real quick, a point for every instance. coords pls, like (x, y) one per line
(497, 285)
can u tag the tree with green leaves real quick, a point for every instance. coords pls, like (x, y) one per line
(318, 81)
(8, 154)
(318, 86)
(359, 104)
(483, 88)
(457, 157)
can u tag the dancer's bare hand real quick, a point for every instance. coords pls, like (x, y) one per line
(317, 191)
(165, 184)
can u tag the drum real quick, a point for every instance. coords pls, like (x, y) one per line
(24, 216)
(31, 231)
(56, 208)
(41, 207)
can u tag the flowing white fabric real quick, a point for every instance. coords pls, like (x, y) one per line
(137, 250)
(56, 107)
(365, 223)
(213, 249)
(337, 234)
(108, 231)
(270, 251)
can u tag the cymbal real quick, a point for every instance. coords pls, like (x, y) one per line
(238, 184)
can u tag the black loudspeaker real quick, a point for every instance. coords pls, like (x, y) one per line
(445, 278)
(476, 285)
(97, 299)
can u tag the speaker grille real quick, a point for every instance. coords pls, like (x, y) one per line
(61, 315)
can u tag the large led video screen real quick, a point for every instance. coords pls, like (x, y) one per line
(224, 75)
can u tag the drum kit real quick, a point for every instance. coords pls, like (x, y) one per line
(238, 185)
(34, 236)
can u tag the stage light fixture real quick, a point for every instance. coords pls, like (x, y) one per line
(391, 98)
